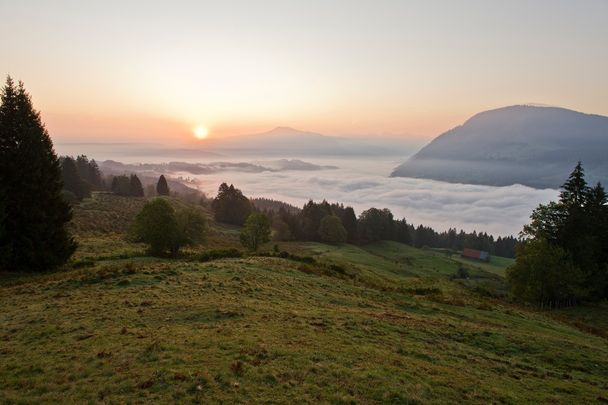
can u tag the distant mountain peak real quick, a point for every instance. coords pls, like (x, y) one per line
(531, 145)
(285, 130)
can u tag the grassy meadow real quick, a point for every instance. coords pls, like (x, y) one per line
(384, 323)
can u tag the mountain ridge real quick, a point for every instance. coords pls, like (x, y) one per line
(286, 141)
(519, 144)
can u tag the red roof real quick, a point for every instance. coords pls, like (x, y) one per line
(475, 254)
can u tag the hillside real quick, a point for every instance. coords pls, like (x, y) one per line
(533, 146)
(384, 323)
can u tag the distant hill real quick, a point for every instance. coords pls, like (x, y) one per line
(289, 142)
(534, 146)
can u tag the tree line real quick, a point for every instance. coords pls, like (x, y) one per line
(336, 223)
(80, 177)
(564, 257)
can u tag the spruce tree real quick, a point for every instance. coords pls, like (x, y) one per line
(137, 189)
(574, 190)
(72, 181)
(82, 165)
(34, 236)
(162, 188)
(95, 176)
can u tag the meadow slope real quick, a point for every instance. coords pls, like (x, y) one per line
(385, 323)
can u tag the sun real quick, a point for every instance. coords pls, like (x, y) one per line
(201, 132)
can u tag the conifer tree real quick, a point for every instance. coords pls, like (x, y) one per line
(82, 165)
(162, 188)
(34, 236)
(72, 181)
(231, 206)
(95, 176)
(137, 189)
(574, 190)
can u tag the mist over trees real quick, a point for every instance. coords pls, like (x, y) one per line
(33, 211)
(564, 258)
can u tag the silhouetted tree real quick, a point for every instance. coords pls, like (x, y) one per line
(136, 188)
(349, 221)
(576, 224)
(72, 181)
(34, 235)
(95, 176)
(162, 188)
(231, 206)
(121, 185)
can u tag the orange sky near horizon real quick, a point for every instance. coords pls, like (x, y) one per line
(154, 71)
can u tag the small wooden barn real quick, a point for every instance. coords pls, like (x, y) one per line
(476, 254)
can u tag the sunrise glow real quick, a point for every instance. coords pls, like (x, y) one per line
(201, 132)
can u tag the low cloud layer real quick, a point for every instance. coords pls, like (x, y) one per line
(496, 210)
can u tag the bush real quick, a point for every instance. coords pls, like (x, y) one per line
(462, 273)
(256, 232)
(219, 254)
(159, 226)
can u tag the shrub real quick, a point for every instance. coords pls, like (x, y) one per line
(159, 226)
(256, 232)
(219, 254)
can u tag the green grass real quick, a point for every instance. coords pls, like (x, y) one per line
(393, 328)
(496, 265)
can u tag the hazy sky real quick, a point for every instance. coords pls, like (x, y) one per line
(154, 70)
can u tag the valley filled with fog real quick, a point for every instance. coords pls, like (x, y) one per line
(359, 181)
(496, 210)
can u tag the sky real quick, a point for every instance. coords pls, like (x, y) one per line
(153, 71)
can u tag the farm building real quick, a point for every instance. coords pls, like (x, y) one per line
(476, 254)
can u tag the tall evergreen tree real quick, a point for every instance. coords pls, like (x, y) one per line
(72, 181)
(137, 189)
(82, 165)
(162, 188)
(574, 190)
(95, 176)
(121, 185)
(577, 224)
(349, 221)
(231, 206)
(34, 237)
